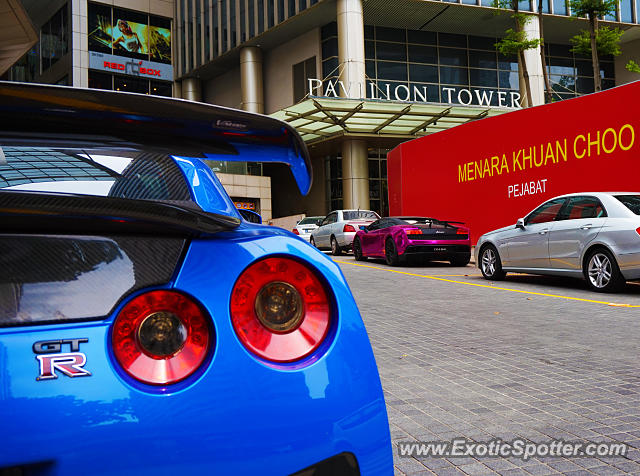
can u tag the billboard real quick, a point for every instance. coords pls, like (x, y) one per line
(129, 34)
(490, 172)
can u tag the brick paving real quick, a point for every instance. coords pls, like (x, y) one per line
(459, 361)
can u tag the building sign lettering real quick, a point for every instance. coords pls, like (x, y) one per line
(585, 146)
(402, 92)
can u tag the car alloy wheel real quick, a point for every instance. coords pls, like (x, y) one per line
(357, 250)
(391, 253)
(602, 272)
(335, 248)
(599, 270)
(490, 264)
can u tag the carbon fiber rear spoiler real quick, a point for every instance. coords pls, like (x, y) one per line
(40, 115)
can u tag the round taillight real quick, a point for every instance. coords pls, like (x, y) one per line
(160, 337)
(280, 310)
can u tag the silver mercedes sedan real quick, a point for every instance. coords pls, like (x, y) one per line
(595, 236)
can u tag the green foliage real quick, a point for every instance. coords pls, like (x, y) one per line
(514, 42)
(607, 42)
(632, 66)
(522, 18)
(592, 8)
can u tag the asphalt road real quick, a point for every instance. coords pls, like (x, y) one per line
(538, 358)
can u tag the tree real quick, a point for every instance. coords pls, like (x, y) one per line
(543, 58)
(597, 40)
(516, 42)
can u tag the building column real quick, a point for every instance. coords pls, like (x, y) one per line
(251, 79)
(351, 48)
(355, 160)
(534, 66)
(192, 89)
(355, 174)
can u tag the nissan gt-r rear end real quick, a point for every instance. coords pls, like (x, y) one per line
(145, 328)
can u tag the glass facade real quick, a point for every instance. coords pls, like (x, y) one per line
(378, 196)
(54, 38)
(571, 74)
(442, 64)
(237, 168)
(131, 84)
(447, 65)
(53, 45)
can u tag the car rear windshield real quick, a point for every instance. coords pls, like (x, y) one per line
(133, 174)
(309, 221)
(355, 214)
(632, 202)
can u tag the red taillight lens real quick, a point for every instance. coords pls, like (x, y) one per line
(295, 231)
(638, 230)
(348, 228)
(161, 337)
(280, 310)
(413, 231)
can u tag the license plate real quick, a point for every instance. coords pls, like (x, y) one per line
(440, 249)
(307, 230)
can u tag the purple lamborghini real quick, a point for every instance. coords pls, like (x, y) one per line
(397, 239)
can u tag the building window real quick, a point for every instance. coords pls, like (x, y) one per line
(441, 65)
(378, 192)
(236, 168)
(302, 72)
(161, 88)
(132, 84)
(54, 38)
(571, 74)
(100, 80)
(26, 68)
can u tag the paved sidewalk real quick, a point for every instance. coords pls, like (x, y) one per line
(469, 361)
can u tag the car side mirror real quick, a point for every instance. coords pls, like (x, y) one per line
(319, 222)
(520, 223)
(363, 228)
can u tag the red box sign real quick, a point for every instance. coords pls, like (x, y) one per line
(489, 173)
(122, 67)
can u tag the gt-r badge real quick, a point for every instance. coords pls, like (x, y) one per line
(51, 358)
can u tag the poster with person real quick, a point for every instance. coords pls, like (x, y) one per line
(126, 33)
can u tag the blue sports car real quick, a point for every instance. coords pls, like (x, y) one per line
(145, 327)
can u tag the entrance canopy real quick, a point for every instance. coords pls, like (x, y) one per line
(321, 119)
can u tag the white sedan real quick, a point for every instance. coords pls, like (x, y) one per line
(305, 226)
(338, 228)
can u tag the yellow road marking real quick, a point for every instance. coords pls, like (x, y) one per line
(451, 275)
(438, 278)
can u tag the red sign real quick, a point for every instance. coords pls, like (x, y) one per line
(122, 67)
(245, 205)
(489, 173)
